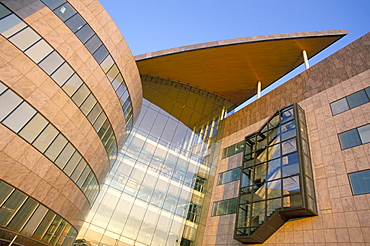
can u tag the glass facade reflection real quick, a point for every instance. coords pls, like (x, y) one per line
(155, 188)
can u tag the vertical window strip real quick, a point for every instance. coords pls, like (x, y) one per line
(30, 216)
(40, 133)
(92, 42)
(51, 63)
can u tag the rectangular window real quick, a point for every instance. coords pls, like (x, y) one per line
(225, 207)
(233, 149)
(229, 176)
(352, 101)
(355, 137)
(360, 182)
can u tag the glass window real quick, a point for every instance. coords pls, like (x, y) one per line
(288, 130)
(10, 25)
(107, 64)
(291, 185)
(100, 54)
(83, 176)
(45, 138)
(35, 220)
(77, 172)
(65, 155)
(52, 4)
(99, 122)
(5, 191)
(339, 106)
(52, 229)
(65, 11)
(75, 23)
(113, 73)
(357, 99)
(38, 51)
(290, 165)
(25, 38)
(8, 101)
(93, 44)
(349, 139)
(72, 163)
(3, 11)
(89, 103)
(51, 62)
(94, 113)
(56, 147)
(72, 85)
(2, 88)
(364, 132)
(19, 117)
(23, 215)
(33, 128)
(360, 182)
(287, 115)
(225, 207)
(44, 225)
(85, 33)
(289, 146)
(81, 94)
(367, 90)
(274, 170)
(11, 206)
(63, 73)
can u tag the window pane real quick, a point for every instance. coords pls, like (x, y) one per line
(360, 182)
(23, 215)
(364, 132)
(56, 147)
(83, 176)
(287, 115)
(100, 54)
(62, 74)
(368, 92)
(63, 158)
(5, 191)
(25, 38)
(3, 11)
(289, 146)
(107, 64)
(19, 117)
(65, 11)
(77, 172)
(44, 225)
(290, 165)
(349, 139)
(46, 137)
(93, 44)
(10, 25)
(288, 130)
(112, 72)
(273, 171)
(51, 63)
(357, 99)
(88, 104)
(291, 185)
(339, 106)
(94, 113)
(8, 101)
(72, 163)
(99, 122)
(72, 85)
(84, 33)
(75, 23)
(52, 4)
(35, 220)
(81, 95)
(33, 128)
(38, 51)
(11, 206)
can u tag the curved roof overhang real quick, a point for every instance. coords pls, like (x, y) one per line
(232, 68)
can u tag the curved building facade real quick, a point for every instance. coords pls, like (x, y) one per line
(70, 92)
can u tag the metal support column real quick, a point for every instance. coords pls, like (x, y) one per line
(304, 53)
(259, 85)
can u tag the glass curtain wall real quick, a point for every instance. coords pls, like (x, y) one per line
(149, 195)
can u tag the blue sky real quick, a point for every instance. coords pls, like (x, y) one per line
(152, 25)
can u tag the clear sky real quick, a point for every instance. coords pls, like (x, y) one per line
(152, 25)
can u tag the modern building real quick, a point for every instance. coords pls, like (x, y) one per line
(117, 150)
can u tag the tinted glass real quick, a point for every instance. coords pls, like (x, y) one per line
(39, 51)
(3, 11)
(360, 182)
(364, 132)
(8, 101)
(85, 33)
(100, 54)
(72, 85)
(45, 138)
(51, 62)
(62, 74)
(53, 3)
(349, 139)
(10, 25)
(75, 23)
(19, 117)
(65, 11)
(25, 38)
(93, 44)
(357, 99)
(339, 106)
(33, 128)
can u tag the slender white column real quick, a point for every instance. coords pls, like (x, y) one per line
(259, 85)
(304, 52)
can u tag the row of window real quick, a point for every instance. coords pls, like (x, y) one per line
(233, 149)
(352, 101)
(24, 120)
(95, 46)
(225, 207)
(355, 137)
(28, 41)
(21, 213)
(229, 176)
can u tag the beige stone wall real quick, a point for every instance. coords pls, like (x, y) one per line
(343, 219)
